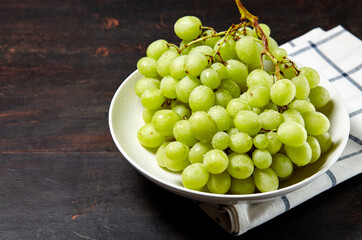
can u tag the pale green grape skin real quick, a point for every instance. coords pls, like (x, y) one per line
(198, 151)
(301, 86)
(210, 78)
(274, 144)
(260, 141)
(160, 154)
(203, 49)
(259, 77)
(319, 96)
(177, 151)
(216, 161)
(292, 134)
(316, 123)
(272, 44)
(220, 140)
(152, 98)
(222, 97)
(248, 122)
(183, 133)
(265, 28)
(195, 176)
(248, 52)
(266, 180)
(236, 105)
(157, 48)
(270, 106)
(293, 115)
(301, 106)
(177, 67)
(270, 119)
(186, 48)
(163, 63)
(185, 86)
(168, 87)
(220, 69)
(148, 114)
(325, 141)
(240, 165)
(183, 111)
(240, 142)
(146, 83)
(242, 186)
(312, 76)
(202, 98)
(232, 131)
(247, 31)
(188, 27)
(258, 96)
(147, 67)
(164, 120)
(237, 72)
(175, 166)
(203, 126)
(195, 63)
(231, 86)
(262, 158)
(219, 183)
(227, 49)
(301, 155)
(282, 92)
(212, 40)
(149, 137)
(221, 117)
(280, 54)
(282, 165)
(316, 149)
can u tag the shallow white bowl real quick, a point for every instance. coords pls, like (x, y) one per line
(125, 118)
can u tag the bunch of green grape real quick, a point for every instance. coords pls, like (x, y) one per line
(221, 119)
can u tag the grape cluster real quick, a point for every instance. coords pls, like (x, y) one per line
(217, 114)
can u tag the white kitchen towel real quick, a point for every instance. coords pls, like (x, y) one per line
(337, 55)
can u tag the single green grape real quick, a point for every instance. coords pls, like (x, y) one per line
(157, 48)
(220, 140)
(168, 87)
(293, 115)
(282, 165)
(280, 54)
(316, 149)
(219, 183)
(195, 176)
(270, 119)
(152, 98)
(203, 49)
(260, 141)
(301, 155)
(282, 92)
(248, 52)
(195, 63)
(266, 180)
(302, 88)
(186, 47)
(316, 123)
(319, 96)
(149, 137)
(301, 106)
(222, 97)
(231, 86)
(177, 67)
(146, 83)
(175, 166)
(292, 134)
(259, 77)
(147, 67)
(240, 142)
(220, 69)
(221, 117)
(312, 76)
(211, 41)
(183, 133)
(216, 161)
(240, 165)
(160, 154)
(163, 63)
(185, 86)
(274, 144)
(177, 151)
(258, 96)
(242, 186)
(203, 126)
(210, 78)
(272, 44)
(265, 28)
(237, 71)
(183, 111)
(236, 105)
(226, 49)
(248, 122)
(198, 151)
(262, 158)
(201, 98)
(164, 120)
(188, 27)
(325, 141)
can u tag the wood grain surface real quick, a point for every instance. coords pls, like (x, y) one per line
(61, 176)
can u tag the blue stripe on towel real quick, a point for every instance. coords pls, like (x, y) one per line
(332, 177)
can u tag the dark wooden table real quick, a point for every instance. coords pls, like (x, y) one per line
(61, 176)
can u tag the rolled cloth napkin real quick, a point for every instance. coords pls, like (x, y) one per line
(337, 55)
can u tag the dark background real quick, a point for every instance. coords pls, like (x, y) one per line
(61, 176)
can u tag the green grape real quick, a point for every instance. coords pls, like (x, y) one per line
(319, 96)
(220, 69)
(221, 117)
(185, 86)
(210, 78)
(185, 46)
(219, 183)
(270, 119)
(292, 134)
(232, 131)
(220, 140)
(163, 63)
(152, 98)
(272, 44)
(148, 114)
(157, 48)
(160, 154)
(183, 133)
(226, 49)
(282, 165)
(168, 87)
(288, 70)
(202, 98)
(188, 27)
(198, 151)
(195, 63)
(301, 106)
(177, 151)
(270, 106)
(274, 144)
(149, 137)
(240, 142)
(203, 126)
(266, 180)
(237, 72)
(293, 115)
(258, 96)
(175, 166)
(147, 67)
(163, 121)
(325, 141)
(316, 149)
(211, 41)
(248, 122)
(262, 158)
(248, 52)
(265, 28)
(282, 92)
(231, 86)
(222, 97)
(216, 161)
(177, 67)
(236, 105)
(280, 54)
(242, 186)
(260, 141)
(301, 87)
(146, 83)
(195, 176)
(205, 50)
(183, 111)
(316, 123)
(246, 31)
(259, 77)
(311, 75)
(240, 165)
(301, 155)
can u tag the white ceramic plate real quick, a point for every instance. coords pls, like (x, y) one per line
(125, 118)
